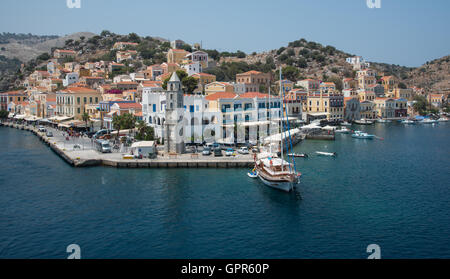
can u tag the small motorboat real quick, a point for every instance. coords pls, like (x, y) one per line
(383, 121)
(252, 174)
(346, 124)
(408, 121)
(295, 155)
(343, 130)
(362, 135)
(442, 119)
(364, 122)
(334, 154)
(429, 121)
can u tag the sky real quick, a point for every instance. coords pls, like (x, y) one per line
(403, 32)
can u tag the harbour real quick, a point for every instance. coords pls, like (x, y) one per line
(372, 192)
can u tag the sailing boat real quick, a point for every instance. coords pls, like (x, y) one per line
(272, 170)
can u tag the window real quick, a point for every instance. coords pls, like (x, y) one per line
(78, 100)
(154, 107)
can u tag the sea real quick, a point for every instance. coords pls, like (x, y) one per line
(393, 191)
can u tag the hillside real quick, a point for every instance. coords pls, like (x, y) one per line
(27, 47)
(433, 76)
(300, 59)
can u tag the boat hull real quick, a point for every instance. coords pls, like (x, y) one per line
(282, 186)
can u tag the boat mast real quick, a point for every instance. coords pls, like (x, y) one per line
(270, 119)
(281, 123)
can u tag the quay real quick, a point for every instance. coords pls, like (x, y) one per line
(88, 157)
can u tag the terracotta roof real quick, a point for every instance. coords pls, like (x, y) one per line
(251, 73)
(65, 51)
(220, 95)
(129, 105)
(203, 74)
(75, 90)
(252, 95)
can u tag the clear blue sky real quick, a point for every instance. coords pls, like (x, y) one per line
(404, 32)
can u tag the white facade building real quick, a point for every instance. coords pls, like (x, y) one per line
(70, 78)
(192, 68)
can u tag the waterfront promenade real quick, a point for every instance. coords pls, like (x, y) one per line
(80, 152)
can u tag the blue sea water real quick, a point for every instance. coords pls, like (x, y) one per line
(393, 192)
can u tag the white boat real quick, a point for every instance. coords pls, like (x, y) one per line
(276, 172)
(343, 130)
(408, 121)
(362, 135)
(364, 122)
(326, 154)
(442, 119)
(295, 155)
(346, 124)
(252, 174)
(428, 121)
(383, 121)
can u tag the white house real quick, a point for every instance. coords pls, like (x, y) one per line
(192, 68)
(70, 78)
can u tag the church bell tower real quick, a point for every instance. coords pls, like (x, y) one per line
(173, 126)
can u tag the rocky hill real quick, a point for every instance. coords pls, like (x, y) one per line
(299, 59)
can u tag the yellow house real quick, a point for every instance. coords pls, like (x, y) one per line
(72, 101)
(399, 93)
(366, 95)
(218, 86)
(366, 110)
(385, 107)
(389, 83)
(176, 55)
(203, 80)
(326, 102)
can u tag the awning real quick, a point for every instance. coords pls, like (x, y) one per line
(329, 128)
(277, 137)
(21, 116)
(311, 126)
(255, 123)
(32, 118)
(63, 118)
(63, 126)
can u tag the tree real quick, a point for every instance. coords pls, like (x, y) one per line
(105, 33)
(189, 84)
(289, 72)
(133, 37)
(4, 114)
(337, 81)
(145, 133)
(186, 47)
(181, 75)
(401, 85)
(123, 122)
(43, 57)
(420, 105)
(85, 116)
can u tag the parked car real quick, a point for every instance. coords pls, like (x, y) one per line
(90, 134)
(218, 152)
(243, 150)
(206, 151)
(49, 134)
(42, 129)
(101, 133)
(229, 152)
